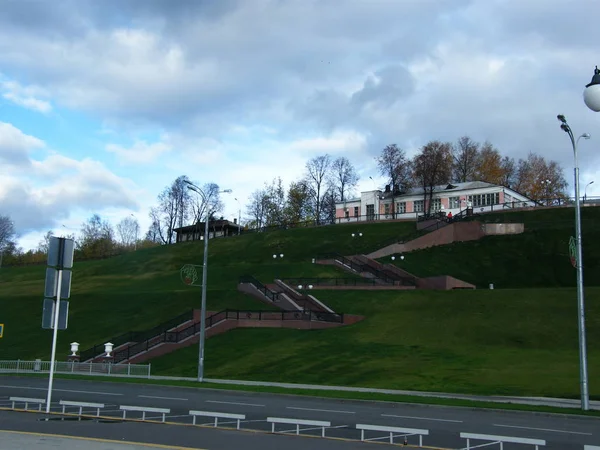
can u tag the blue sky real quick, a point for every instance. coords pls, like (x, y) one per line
(103, 105)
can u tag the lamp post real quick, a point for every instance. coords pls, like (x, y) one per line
(206, 199)
(239, 215)
(591, 93)
(275, 256)
(585, 190)
(546, 183)
(356, 236)
(579, 263)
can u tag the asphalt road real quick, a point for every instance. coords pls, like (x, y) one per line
(444, 423)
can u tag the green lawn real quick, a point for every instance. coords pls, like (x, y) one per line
(501, 342)
(139, 290)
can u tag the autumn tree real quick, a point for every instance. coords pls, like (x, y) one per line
(297, 207)
(432, 167)
(343, 177)
(465, 157)
(489, 165)
(393, 164)
(541, 180)
(316, 180)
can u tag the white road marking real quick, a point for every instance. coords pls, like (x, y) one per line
(543, 429)
(233, 403)
(60, 390)
(163, 398)
(422, 418)
(320, 410)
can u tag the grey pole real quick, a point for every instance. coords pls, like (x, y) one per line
(206, 199)
(203, 310)
(580, 292)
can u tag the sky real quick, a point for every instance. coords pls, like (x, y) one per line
(103, 104)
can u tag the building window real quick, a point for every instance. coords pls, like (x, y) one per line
(346, 213)
(370, 212)
(436, 204)
(419, 206)
(386, 208)
(454, 202)
(401, 207)
(485, 199)
(356, 211)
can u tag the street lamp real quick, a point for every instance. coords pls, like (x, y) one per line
(394, 257)
(275, 256)
(206, 199)
(239, 215)
(356, 235)
(579, 263)
(546, 183)
(591, 93)
(585, 190)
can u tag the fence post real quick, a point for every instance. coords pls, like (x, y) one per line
(260, 315)
(128, 369)
(149, 366)
(18, 365)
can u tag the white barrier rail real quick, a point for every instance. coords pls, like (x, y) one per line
(401, 432)
(26, 400)
(217, 416)
(499, 440)
(81, 405)
(314, 423)
(591, 447)
(79, 368)
(144, 410)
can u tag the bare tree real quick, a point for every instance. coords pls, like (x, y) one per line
(44, 244)
(97, 237)
(465, 154)
(433, 167)
(174, 206)
(394, 165)
(257, 208)
(128, 231)
(509, 171)
(343, 177)
(7, 231)
(316, 177)
(154, 231)
(541, 180)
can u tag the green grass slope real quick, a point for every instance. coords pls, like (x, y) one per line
(141, 289)
(500, 342)
(537, 258)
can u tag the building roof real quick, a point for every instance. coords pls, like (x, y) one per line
(452, 187)
(221, 223)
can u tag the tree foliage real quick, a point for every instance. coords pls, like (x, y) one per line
(432, 167)
(395, 166)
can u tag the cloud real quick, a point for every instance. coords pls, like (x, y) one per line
(16, 145)
(25, 96)
(141, 152)
(55, 186)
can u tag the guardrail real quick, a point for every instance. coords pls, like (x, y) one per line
(591, 447)
(217, 416)
(315, 423)
(273, 296)
(500, 440)
(315, 281)
(403, 432)
(79, 368)
(144, 410)
(81, 405)
(27, 401)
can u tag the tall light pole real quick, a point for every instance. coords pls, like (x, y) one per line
(579, 263)
(206, 199)
(585, 190)
(239, 215)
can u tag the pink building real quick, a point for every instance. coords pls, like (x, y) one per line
(452, 198)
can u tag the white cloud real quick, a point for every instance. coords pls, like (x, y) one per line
(25, 96)
(16, 145)
(141, 152)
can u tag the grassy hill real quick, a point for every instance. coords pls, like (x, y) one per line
(506, 341)
(141, 289)
(537, 258)
(500, 342)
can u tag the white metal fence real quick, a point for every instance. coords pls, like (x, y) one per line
(79, 368)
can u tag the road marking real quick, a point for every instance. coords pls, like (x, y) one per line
(422, 418)
(163, 398)
(320, 410)
(543, 429)
(59, 390)
(109, 441)
(233, 403)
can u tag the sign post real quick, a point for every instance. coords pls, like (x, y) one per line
(60, 257)
(1, 330)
